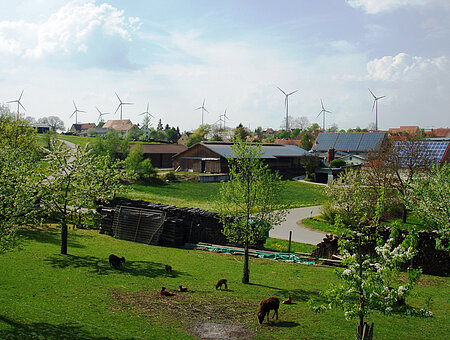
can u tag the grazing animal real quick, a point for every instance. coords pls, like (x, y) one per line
(182, 289)
(222, 282)
(272, 303)
(116, 261)
(164, 292)
(288, 301)
(168, 269)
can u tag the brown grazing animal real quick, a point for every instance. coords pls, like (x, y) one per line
(222, 282)
(116, 261)
(182, 289)
(288, 301)
(164, 292)
(168, 269)
(272, 303)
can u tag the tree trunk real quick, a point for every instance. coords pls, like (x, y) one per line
(404, 213)
(245, 270)
(64, 238)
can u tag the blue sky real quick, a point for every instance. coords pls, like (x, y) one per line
(233, 54)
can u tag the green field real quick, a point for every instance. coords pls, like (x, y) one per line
(44, 295)
(76, 139)
(203, 195)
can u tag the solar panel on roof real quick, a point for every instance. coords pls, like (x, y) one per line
(348, 141)
(423, 154)
(325, 141)
(370, 141)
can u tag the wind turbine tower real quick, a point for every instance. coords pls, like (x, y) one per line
(375, 105)
(121, 103)
(75, 112)
(323, 112)
(19, 104)
(286, 105)
(203, 109)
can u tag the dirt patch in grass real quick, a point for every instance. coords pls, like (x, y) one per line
(221, 318)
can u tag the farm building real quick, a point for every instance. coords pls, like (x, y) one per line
(211, 157)
(161, 154)
(82, 128)
(357, 145)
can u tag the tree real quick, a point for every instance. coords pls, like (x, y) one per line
(112, 145)
(333, 128)
(17, 134)
(137, 167)
(310, 163)
(75, 179)
(249, 203)
(429, 199)
(367, 283)
(55, 122)
(159, 126)
(198, 135)
(17, 188)
(241, 132)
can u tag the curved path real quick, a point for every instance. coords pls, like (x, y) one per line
(299, 233)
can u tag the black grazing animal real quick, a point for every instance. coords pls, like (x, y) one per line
(222, 282)
(116, 261)
(272, 303)
(182, 289)
(168, 269)
(164, 292)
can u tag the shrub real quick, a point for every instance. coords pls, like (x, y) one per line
(337, 163)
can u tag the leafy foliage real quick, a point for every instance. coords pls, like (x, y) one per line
(249, 202)
(137, 167)
(429, 199)
(198, 135)
(113, 146)
(73, 180)
(17, 187)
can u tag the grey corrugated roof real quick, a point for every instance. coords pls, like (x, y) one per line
(268, 151)
(348, 141)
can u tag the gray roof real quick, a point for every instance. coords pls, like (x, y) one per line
(349, 141)
(268, 150)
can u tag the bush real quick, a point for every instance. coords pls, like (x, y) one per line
(137, 167)
(337, 163)
(170, 176)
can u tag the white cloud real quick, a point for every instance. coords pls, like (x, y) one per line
(378, 6)
(66, 32)
(405, 67)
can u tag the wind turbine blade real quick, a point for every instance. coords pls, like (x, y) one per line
(118, 97)
(148, 106)
(198, 108)
(21, 95)
(21, 105)
(127, 103)
(281, 90)
(203, 105)
(327, 111)
(206, 110)
(321, 103)
(98, 110)
(372, 93)
(374, 101)
(81, 111)
(12, 101)
(291, 93)
(381, 97)
(319, 114)
(118, 107)
(74, 104)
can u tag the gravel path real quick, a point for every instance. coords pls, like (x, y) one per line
(299, 233)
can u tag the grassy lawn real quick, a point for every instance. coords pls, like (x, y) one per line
(283, 246)
(50, 296)
(79, 140)
(319, 223)
(203, 195)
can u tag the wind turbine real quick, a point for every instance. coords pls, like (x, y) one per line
(100, 114)
(203, 109)
(224, 118)
(121, 103)
(147, 113)
(19, 104)
(375, 104)
(75, 112)
(323, 112)
(286, 104)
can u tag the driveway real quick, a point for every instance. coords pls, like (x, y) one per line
(299, 233)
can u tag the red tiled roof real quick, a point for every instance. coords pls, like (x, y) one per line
(119, 125)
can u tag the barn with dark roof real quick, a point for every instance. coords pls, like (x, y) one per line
(211, 157)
